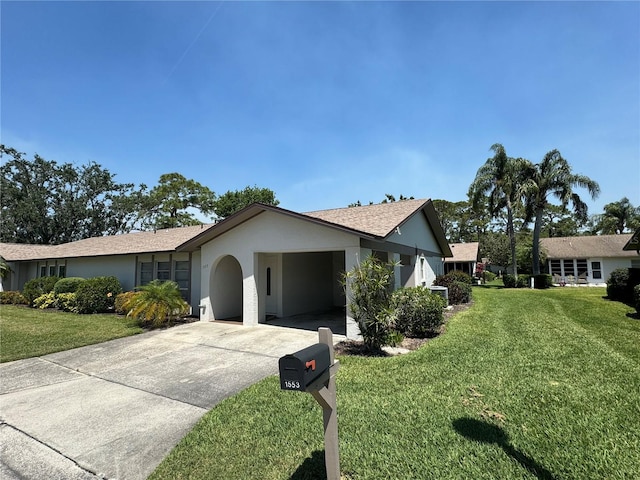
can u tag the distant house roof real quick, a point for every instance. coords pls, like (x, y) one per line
(165, 240)
(633, 245)
(464, 252)
(375, 222)
(604, 246)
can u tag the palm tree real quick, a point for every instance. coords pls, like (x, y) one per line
(619, 216)
(156, 303)
(500, 177)
(553, 176)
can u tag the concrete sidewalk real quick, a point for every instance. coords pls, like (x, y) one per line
(116, 409)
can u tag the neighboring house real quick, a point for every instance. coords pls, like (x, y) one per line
(465, 258)
(587, 260)
(260, 262)
(134, 258)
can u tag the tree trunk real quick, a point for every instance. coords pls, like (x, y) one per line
(512, 240)
(536, 241)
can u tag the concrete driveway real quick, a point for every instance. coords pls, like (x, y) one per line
(116, 409)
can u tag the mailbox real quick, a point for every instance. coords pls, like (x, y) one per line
(306, 370)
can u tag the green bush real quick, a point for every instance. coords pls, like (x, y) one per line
(121, 300)
(509, 280)
(636, 297)
(38, 286)
(459, 276)
(542, 281)
(67, 302)
(489, 276)
(13, 298)
(618, 287)
(68, 285)
(524, 281)
(371, 285)
(417, 312)
(47, 300)
(97, 295)
(157, 304)
(458, 291)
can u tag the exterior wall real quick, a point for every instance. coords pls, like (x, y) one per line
(416, 233)
(122, 267)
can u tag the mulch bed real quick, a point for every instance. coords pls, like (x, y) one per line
(358, 348)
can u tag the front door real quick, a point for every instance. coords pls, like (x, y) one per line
(271, 279)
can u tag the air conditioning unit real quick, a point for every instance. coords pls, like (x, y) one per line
(442, 291)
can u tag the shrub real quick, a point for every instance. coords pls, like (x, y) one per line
(417, 312)
(618, 287)
(542, 281)
(459, 276)
(13, 298)
(371, 285)
(67, 285)
(636, 297)
(38, 286)
(459, 291)
(97, 295)
(120, 301)
(67, 302)
(489, 276)
(524, 281)
(509, 280)
(47, 300)
(158, 303)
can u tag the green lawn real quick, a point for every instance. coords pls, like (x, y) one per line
(28, 332)
(525, 384)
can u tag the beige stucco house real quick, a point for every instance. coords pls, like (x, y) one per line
(587, 260)
(261, 262)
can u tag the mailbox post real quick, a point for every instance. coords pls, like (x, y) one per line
(313, 369)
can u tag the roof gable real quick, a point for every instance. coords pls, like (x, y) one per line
(375, 222)
(633, 245)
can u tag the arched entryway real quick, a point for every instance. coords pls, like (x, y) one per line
(226, 289)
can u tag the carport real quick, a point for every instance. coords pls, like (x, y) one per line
(265, 263)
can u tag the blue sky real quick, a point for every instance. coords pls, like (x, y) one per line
(325, 103)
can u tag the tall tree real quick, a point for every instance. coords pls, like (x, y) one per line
(44, 202)
(500, 179)
(618, 217)
(553, 177)
(233, 201)
(175, 201)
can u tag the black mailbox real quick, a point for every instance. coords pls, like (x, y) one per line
(306, 370)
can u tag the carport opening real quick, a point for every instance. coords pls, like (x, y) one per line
(226, 290)
(312, 295)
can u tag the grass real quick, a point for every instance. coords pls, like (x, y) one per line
(525, 384)
(27, 332)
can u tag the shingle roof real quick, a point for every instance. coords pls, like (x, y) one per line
(165, 240)
(605, 246)
(464, 252)
(378, 220)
